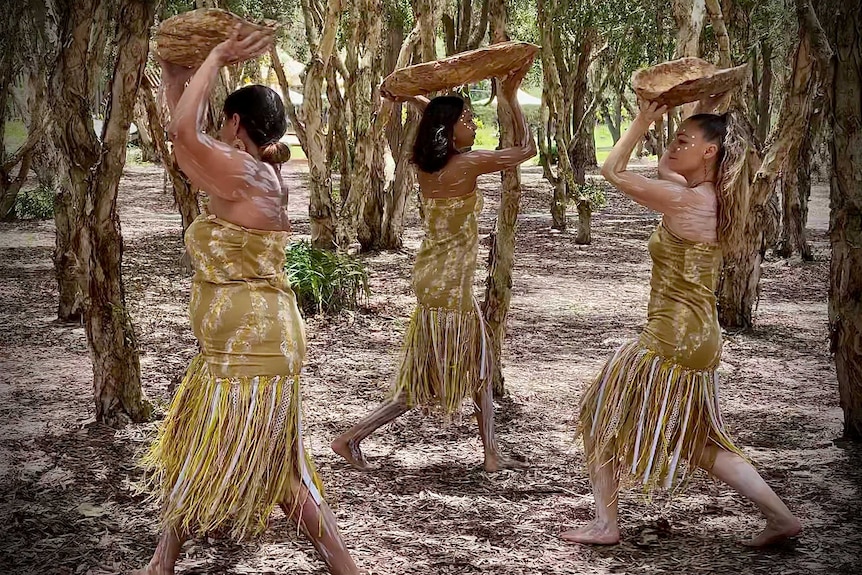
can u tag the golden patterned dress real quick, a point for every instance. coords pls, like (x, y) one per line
(446, 354)
(231, 447)
(654, 407)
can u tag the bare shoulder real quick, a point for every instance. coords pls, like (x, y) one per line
(704, 195)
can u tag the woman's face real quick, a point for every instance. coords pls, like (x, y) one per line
(464, 131)
(689, 151)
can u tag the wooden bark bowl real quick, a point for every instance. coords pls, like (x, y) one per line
(494, 61)
(685, 80)
(186, 39)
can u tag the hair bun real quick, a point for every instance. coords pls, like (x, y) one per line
(275, 153)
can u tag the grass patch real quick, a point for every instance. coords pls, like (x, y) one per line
(13, 138)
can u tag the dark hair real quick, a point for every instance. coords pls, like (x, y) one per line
(261, 113)
(434, 139)
(714, 128)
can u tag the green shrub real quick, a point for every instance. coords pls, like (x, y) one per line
(324, 281)
(35, 204)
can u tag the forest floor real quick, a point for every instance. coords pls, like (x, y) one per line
(70, 500)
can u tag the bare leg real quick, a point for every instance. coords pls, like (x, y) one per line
(347, 444)
(166, 554)
(604, 529)
(319, 525)
(741, 475)
(494, 461)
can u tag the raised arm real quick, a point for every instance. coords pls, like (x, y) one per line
(659, 195)
(487, 161)
(211, 165)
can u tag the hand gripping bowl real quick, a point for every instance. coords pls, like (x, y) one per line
(187, 38)
(494, 61)
(685, 80)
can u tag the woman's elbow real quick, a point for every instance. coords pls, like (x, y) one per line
(608, 173)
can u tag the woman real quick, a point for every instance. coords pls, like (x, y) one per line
(231, 447)
(447, 354)
(652, 414)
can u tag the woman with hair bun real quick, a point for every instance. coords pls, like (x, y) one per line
(231, 449)
(447, 355)
(651, 417)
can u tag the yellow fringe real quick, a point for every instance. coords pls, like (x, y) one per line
(446, 358)
(652, 417)
(229, 451)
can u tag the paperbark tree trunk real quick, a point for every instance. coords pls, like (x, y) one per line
(364, 66)
(321, 40)
(419, 45)
(845, 228)
(501, 258)
(93, 197)
(716, 18)
(555, 128)
(73, 88)
(689, 16)
(738, 288)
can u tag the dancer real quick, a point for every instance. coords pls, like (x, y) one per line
(447, 354)
(231, 447)
(652, 414)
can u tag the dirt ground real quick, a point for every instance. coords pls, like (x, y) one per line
(70, 500)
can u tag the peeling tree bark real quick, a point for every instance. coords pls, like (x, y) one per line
(418, 45)
(845, 227)
(556, 117)
(321, 210)
(716, 18)
(113, 345)
(738, 287)
(501, 258)
(72, 87)
(689, 16)
(91, 182)
(364, 67)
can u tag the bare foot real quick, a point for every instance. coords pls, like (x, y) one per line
(349, 450)
(776, 532)
(593, 533)
(494, 463)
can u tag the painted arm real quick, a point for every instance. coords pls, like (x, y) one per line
(660, 195)
(487, 161)
(211, 165)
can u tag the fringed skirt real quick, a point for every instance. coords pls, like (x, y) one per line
(229, 451)
(653, 418)
(446, 358)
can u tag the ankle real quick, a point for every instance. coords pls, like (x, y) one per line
(606, 523)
